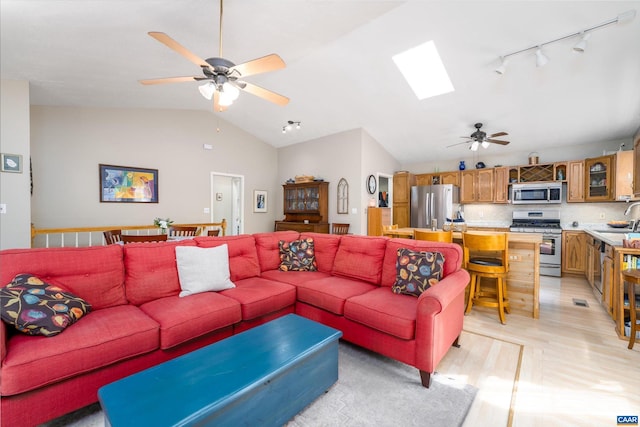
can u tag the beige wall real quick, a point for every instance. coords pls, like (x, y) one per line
(352, 155)
(69, 143)
(15, 229)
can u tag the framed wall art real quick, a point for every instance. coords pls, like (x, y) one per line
(11, 163)
(127, 184)
(259, 201)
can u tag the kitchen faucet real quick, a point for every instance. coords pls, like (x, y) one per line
(636, 223)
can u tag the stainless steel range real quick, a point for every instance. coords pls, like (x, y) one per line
(547, 223)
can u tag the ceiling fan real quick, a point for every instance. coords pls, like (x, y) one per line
(222, 78)
(479, 138)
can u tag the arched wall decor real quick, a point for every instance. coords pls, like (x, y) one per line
(343, 196)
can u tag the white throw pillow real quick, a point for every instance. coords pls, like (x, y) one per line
(203, 269)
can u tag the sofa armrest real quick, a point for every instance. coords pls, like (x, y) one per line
(3, 340)
(439, 319)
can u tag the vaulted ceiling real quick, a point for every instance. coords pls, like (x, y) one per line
(340, 74)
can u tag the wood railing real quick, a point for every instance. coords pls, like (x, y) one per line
(93, 236)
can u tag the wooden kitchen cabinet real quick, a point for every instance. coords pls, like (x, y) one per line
(402, 183)
(575, 181)
(607, 279)
(376, 218)
(438, 178)
(636, 165)
(501, 179)
(574, 252)
(598, 174)
(623, 172)
(477, 186)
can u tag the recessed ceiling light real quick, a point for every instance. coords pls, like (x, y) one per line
(423, 69)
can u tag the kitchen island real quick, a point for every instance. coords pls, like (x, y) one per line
(523, 280)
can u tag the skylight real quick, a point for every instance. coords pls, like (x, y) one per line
(423, 69)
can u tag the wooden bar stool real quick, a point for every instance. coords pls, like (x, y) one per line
(632, 277)
(434, 236)
(487, 256)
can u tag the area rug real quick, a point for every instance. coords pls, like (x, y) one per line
(371, 390)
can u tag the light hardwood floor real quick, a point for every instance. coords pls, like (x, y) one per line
(574, 370)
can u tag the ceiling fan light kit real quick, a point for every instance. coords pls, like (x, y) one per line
(579, 47)
(222, 76)
(290, 125)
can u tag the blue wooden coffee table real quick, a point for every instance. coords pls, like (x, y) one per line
(263, 376)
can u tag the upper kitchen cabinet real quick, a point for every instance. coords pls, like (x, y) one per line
(609, 178)
(477, 186)
(598, 172)
(438, 178)
(501, 180)
(636, 165)
(575, 181)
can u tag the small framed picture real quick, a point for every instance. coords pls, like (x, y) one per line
(259, 201)
(11, 163)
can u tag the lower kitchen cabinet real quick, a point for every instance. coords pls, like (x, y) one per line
(574, 252)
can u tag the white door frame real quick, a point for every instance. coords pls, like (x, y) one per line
(231, 222)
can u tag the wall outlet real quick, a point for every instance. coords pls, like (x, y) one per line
(481, 214)
(3, 208)
(601, 215)
(206, 210)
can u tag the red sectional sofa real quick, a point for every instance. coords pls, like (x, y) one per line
(138, 320)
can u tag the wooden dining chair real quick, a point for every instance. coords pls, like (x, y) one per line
(182, 231)
(486, 256)
(434, 236)
(337, 228)
(112, 236)
(126, 238)
(215, 232)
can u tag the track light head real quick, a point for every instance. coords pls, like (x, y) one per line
(289, 126)
(581, 46)
(503, 66)
(541, 59)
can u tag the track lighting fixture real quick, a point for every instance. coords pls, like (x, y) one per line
(541, 59)
(290, 125)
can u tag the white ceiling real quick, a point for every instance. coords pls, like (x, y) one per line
(339, 73)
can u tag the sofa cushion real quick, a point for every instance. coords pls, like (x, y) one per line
(151, 270)
(297, 255)
(269, 249)
(451, 252)
(360, 257)
(330, 293)
(243, 256)
(182, 319)
(417, 271)
(385, 311)
(95, 274)
(325, 247)
(259, 296)
(102, 338)
(203, 269)
(38, 308)
(293, 277)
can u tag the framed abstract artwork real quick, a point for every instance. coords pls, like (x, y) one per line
(127, 184)
(11, 163)
(259, 201)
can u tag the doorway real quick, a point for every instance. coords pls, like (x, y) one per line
(385, 190)
(227, 196)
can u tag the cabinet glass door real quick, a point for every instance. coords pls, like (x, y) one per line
(597, 180)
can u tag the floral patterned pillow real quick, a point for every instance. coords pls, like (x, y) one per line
(38, 308)
(298, 255)
(417, 271)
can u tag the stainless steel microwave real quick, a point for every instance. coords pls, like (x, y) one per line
(540, 193)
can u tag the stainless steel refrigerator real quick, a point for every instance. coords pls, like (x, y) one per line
(433, 202)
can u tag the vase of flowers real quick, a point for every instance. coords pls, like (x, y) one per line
(162, 224)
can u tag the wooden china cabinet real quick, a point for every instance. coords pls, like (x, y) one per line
(305, 207)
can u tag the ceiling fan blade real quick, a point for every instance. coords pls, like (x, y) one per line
(260, 65)
(169, 80)
(216, 103)
(458, 143)
(174, 45)
(497, 141)
(263, 93)
(499, 134)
